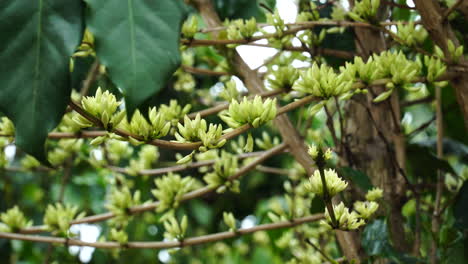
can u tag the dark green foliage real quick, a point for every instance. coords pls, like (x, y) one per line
(38, 38)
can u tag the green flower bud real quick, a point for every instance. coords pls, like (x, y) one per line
(323, 82)
(170, 189)
(174, 229)
(334, 183)
(283, 78)
(230, 91)
(58, 217)
(6, 127)
(118, 235)
(345, 219)
(230, 221)
(410, 35)
(383, 96)
(266, 142)
(254, 112)
(119, 202)
(102, 106)
(13, 220)
(224, 168)
(190, 27)
(374, 194)
(147, 156)
(364, 10)
(366, 209)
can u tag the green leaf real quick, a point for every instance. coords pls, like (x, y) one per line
(358, 178)
(245, 9)
(423, 162)
(459, 208)
(375, 238)
(138, 42)
(38, 38)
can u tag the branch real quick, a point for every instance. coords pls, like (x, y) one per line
(151, 206)
(203, 71)
(164, 244)
(177, 168)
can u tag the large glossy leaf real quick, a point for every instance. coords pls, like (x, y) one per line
(138, 42)
(460, 207)
(37, 39)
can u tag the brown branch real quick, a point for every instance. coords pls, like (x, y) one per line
(203, 71)
(164, 244)
(151, 206)
(177, 168)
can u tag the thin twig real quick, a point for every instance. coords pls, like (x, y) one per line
(164, 244)
(151, 206)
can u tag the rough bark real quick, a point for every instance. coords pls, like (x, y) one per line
(349, 241)
(376, 144)
(432, 16)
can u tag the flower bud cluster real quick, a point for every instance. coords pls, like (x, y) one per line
(119, 202)
(147, 156)
(230, 91)
(103, 106)
(13, 220)
(242, 29)
(374, 194)
(283, 78)
(346, 220)
(58, 217)
(254, 112)
(455, 52)
(170, 189)
(230, 221)
(174, 229)
(118, 235)
(364, 10)
(65, 149)
(224, 168)
(411, 35)
(334, 183)
(435, 68)
(266, 142)
(196, 129)
(190, 27)
(323, 82)
(6, 127)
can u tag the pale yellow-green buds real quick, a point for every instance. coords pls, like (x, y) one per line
(119, 201)
(196, 129)
(170, 189)
(397, 67)
(435, 68)
(58, 217)
(174, 112)
(365, 209)
(240, 29)
(13, 220)
(102, 106)
(118, 236)
(334, 183)
(174, 229)
(230, 91)
(411, 35)
(455, 52)
(266, 142)
(230, 221)
(224, 168)
(6, 127)
(364, 10)
(283, 78)
(374, 194)
(254, 112)
(346, 220)
(323, 82)
(157, 126)
(190, 27)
